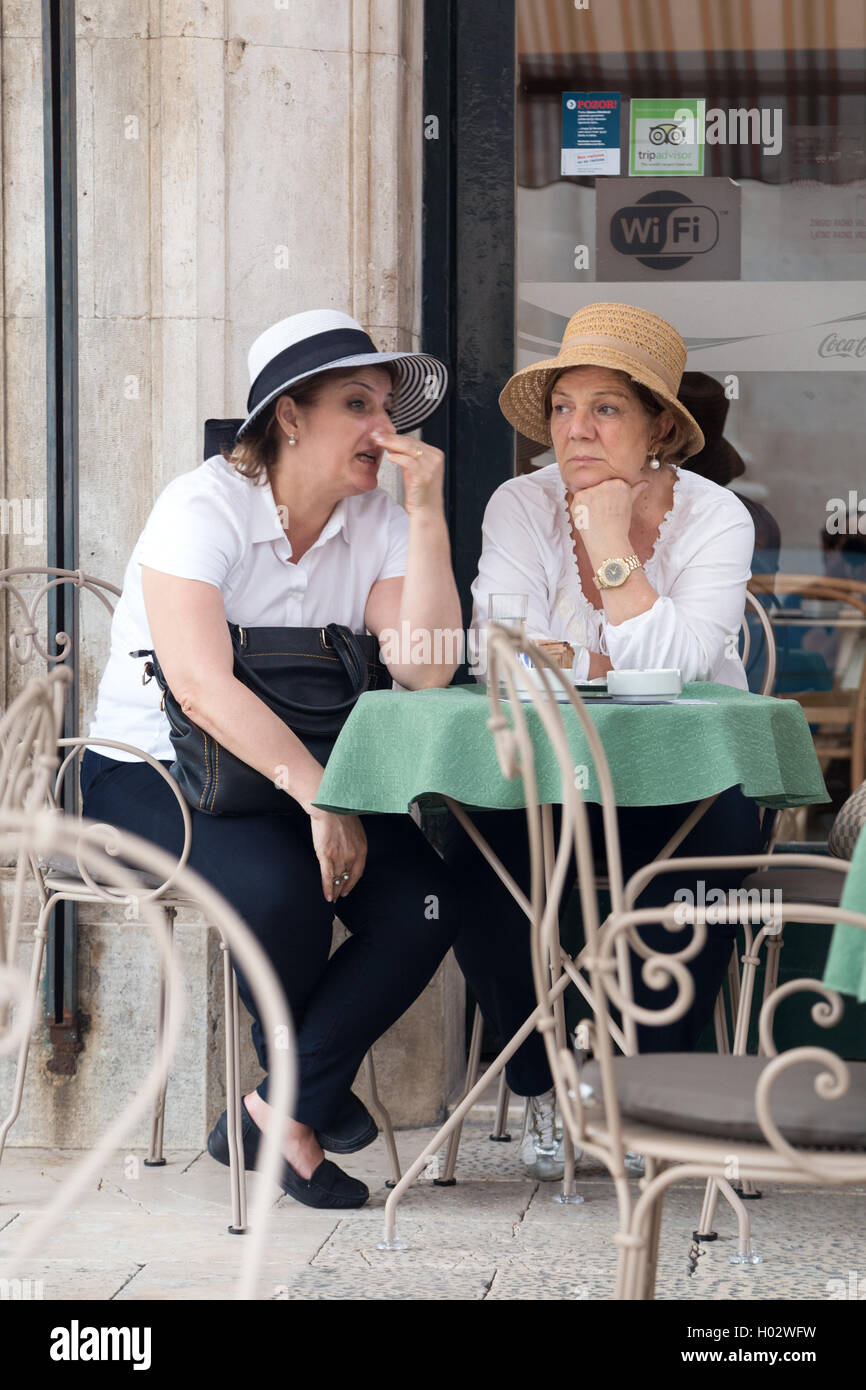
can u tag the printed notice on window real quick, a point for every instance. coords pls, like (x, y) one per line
(667, 136)
(590, 133)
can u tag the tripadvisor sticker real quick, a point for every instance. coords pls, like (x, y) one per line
(667, 136)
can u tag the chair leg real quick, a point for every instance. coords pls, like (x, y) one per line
(40, 936)
(655, 1227)
(634, 1260)
(568, 1195)
(473, 1066)
(705, 1230)
(503, 1096)
(155, 1158)
(237, 1169)
(384, 1121)
(744, 1254)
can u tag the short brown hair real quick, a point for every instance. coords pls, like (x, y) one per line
(670, 449)
(256, 453)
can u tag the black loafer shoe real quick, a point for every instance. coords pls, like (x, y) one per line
(328, 1187)
(352, 1129)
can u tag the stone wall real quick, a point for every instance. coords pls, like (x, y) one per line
(238, 161)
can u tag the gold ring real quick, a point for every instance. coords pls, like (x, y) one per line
(418, 453)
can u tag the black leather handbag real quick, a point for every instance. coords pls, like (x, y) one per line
(310, 678)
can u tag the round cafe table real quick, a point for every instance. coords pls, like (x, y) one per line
(433, 748)
(846, 962)
(400, 747)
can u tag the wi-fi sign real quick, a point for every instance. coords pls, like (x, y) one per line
(664, 229)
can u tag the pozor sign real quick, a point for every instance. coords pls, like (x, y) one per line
(685, 229)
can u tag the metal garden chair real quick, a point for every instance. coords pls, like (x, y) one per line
(691, 1115)
(116, 862)
(59, 878)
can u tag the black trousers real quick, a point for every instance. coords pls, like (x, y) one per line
(403, 916)
(506, 994)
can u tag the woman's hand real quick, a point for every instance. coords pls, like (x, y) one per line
(341, 848)
(423, 471)
(604, 513)
(560, 653)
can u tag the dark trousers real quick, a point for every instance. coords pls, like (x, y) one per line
(506, 994)
(402, 915)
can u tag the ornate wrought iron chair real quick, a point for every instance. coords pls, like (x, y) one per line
(691, 1115)
(28, 761)
(58, 878)
(116, 862)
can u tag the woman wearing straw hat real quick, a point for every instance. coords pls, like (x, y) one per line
(629, 562)
(292, 532)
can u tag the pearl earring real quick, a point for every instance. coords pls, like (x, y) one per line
(654, 462)
(292, 439)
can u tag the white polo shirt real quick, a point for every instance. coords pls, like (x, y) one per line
(215, 525)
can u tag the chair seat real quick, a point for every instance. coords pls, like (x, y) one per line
(712, 1095)
(66, 865)
(823, 887)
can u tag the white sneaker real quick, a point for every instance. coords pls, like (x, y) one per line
(541, 1147)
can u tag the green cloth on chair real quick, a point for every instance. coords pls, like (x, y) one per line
(399, 747)
(846, 963)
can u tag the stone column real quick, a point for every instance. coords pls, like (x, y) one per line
(238, 161)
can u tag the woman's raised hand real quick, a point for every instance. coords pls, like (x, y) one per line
(606, 509)
(341, 849)
(423, 470)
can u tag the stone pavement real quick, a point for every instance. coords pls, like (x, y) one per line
(161, 1234)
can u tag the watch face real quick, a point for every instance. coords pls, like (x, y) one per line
(613, 572)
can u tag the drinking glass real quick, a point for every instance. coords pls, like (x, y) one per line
(510, 611)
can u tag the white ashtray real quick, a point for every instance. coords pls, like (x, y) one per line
(644, 687)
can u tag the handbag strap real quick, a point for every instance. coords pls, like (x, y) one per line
(349, 652)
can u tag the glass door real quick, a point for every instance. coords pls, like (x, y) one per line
(733, 203)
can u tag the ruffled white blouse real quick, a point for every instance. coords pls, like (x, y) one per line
(700, 565)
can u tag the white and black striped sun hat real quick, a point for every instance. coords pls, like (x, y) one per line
(324, 339)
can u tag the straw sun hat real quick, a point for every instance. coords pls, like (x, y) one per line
(620, 336)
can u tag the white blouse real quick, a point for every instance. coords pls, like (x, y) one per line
(699, 567)
(215, 525)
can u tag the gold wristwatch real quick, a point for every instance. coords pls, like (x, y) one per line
(611, 573)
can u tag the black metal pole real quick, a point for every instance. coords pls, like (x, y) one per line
(61, 334)
(468, 254)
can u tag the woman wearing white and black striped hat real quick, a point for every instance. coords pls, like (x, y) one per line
(291, 530)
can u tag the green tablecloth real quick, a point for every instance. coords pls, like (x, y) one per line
(846, 963)
(398, 747)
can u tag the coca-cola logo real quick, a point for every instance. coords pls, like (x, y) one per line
(834, 346)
